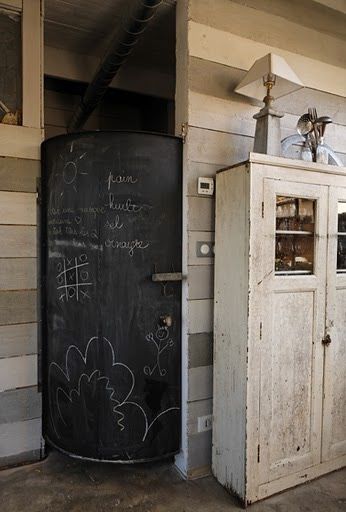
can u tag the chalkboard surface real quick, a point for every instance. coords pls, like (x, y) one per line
(111, 219)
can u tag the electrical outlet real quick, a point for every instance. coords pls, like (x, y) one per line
(205, 423)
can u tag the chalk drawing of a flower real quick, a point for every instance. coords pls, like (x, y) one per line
(83, 390)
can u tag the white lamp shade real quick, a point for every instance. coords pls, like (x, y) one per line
(286, 80)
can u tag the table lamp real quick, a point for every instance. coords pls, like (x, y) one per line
(273, 73)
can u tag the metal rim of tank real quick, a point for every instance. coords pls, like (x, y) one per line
(110, 461)
(100, 132)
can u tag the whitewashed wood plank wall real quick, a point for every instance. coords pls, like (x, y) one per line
(224, 39)
(20, 401)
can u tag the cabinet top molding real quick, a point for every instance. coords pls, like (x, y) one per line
(258, 158)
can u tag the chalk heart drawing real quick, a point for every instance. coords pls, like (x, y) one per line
(79, 382)
(161, 341)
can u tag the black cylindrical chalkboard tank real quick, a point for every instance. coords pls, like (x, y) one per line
(111, 263)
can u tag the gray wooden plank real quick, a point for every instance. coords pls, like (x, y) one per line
(18, 307)
(18, 208)
(201, 316)
(199, 450)
(19, 438)
(267, 27)
(18, 340)
(18, 174)
(18, 273)
(201, 216)
(200, 349)
(200, 383)
(194, 411)
(18, 241)
(18, 372)
(200, 280)
(20, 405)
(21, 458)
(215, 147)
(219, 80)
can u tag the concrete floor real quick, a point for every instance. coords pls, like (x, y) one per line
(61, 484)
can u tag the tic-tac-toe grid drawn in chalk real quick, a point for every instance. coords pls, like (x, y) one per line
(73, 279)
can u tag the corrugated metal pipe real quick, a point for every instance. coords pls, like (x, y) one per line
(120, 49)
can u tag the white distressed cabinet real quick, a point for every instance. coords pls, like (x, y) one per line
(280, 325)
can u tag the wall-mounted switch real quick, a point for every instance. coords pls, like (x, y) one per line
(205, 249)
(204, 423)
(206, 186)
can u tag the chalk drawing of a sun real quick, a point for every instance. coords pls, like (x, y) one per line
(72, 169)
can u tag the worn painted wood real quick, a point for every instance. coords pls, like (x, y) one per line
(212, 44)
(291, 343)
(200, 280)
(200, 450)
(230, 329)
(218, 80)
(18, 241)
(200, 349)
(18, 208)
(18, 273)
(19, 174)
(197, 409)
(18, 339)
(334, 410)
(20, 141)
(277, 427)
(18, 372)
(268, 28)
(201, 214)
(230, 116)
(19, 437)
(32, 41)
(200, 383)
(18, 307)
(213, 147)
(181, 117)
(20, 405)
(200, 316)
(22, 458)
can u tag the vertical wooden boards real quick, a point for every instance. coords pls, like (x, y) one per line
(334, 404)
(231, 328)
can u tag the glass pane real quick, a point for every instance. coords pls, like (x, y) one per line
(294, 253)
(295, 214)
(341, 253)
(10, 68)
(342, 217)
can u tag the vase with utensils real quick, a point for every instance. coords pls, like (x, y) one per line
(312, 128)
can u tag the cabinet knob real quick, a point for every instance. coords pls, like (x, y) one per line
(326, 340)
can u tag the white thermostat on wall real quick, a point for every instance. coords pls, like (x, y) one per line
(206, 186)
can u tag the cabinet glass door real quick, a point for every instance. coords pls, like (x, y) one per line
(293, 313)
(334, 404)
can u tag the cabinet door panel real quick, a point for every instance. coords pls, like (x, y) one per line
(293, 325)
(334, 405)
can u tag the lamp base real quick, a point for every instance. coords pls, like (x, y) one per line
(268, 132)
